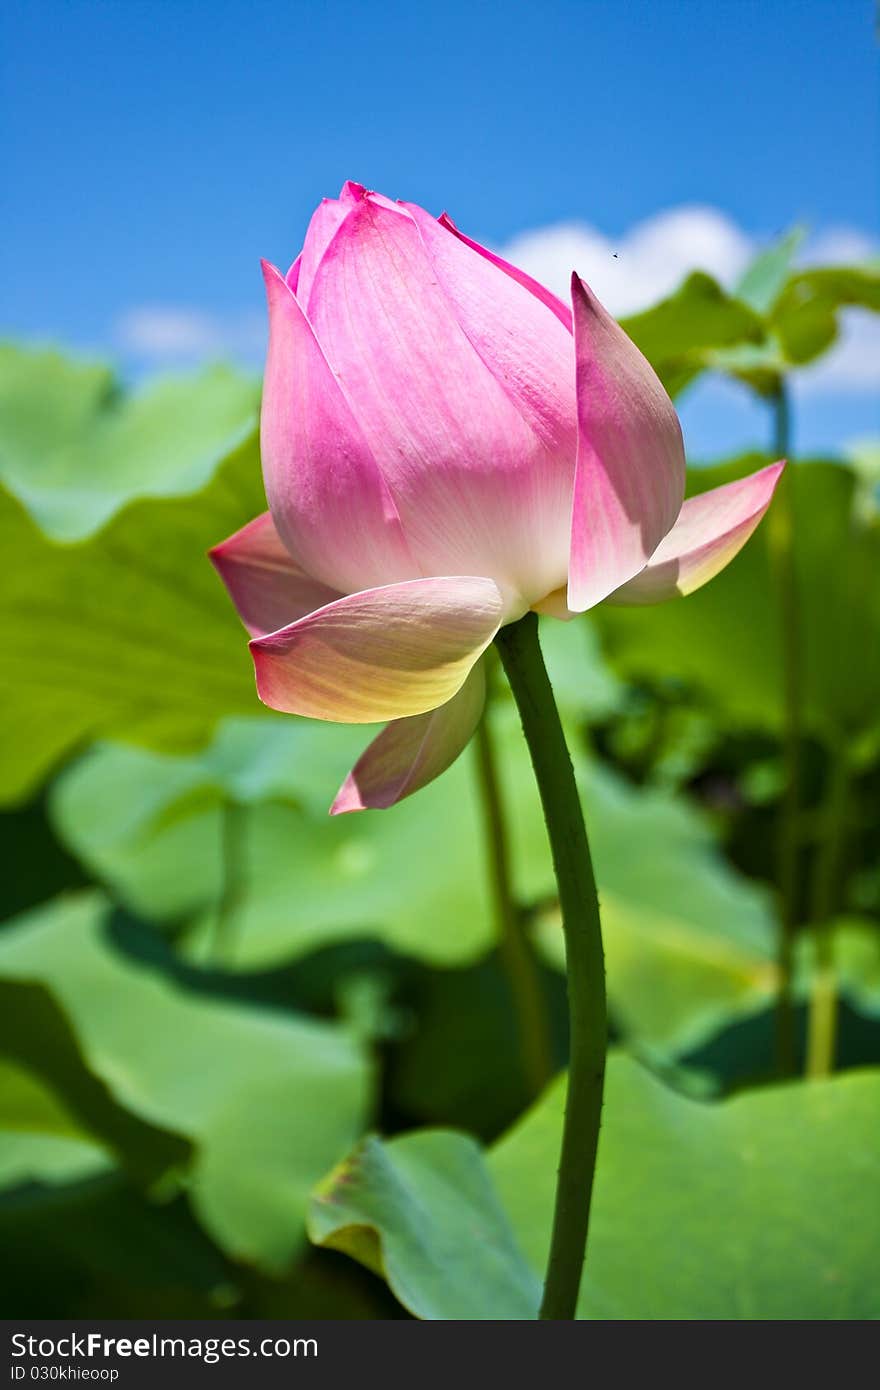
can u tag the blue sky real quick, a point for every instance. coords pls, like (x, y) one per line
(157, 148)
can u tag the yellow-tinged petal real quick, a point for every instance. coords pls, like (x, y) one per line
(385, 653)
(711, 529)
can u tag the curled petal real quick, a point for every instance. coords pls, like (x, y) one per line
(410, 753)
(629, 480)
(268, 589)
(330, 503)
(711, 529)
(385, 653)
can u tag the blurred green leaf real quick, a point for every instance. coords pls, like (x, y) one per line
(421, 1212)
(676, 334)
(26, 1104)
(268, 1099)
(36, 1034)
(762, 1207)
(855, 953)
(42, 1140)
(763, 280)
(675, 982)
(757, 365)
(805, 316)
(774, 319)
(856, 286)
(724, 639)
(863, 456)
(74, 448)
(413, 876)
(304, 880)
(129, 633)
(688, 942)
(584, 685)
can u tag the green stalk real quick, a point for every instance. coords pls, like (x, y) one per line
(822, 1019)
(780, 540)
(520, 653)
(517, 958)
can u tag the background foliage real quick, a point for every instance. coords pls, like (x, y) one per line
(215, 998)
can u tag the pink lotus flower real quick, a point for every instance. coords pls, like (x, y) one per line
(447, 445)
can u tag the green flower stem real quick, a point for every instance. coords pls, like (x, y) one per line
(523, 663)
(780, 540)
(517, 957)
(822, 1019)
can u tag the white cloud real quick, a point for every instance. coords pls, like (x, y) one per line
(839, 246)
(168, 333)
(852, 367)
(651, 259)
(630, 272)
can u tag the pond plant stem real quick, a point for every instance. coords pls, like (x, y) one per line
(780, 539)
(514, 949)
(520, 653)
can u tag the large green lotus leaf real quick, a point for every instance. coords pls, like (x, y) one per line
(764, 1206)
(686, 937)
(422, 1213)
(185, 808)
(128, 633)
(411, 875)
(36, 1038)
(269, 1099)
(724, 639)
(677, 334)
(673, 984)
(74, 448)
(713, 1210)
